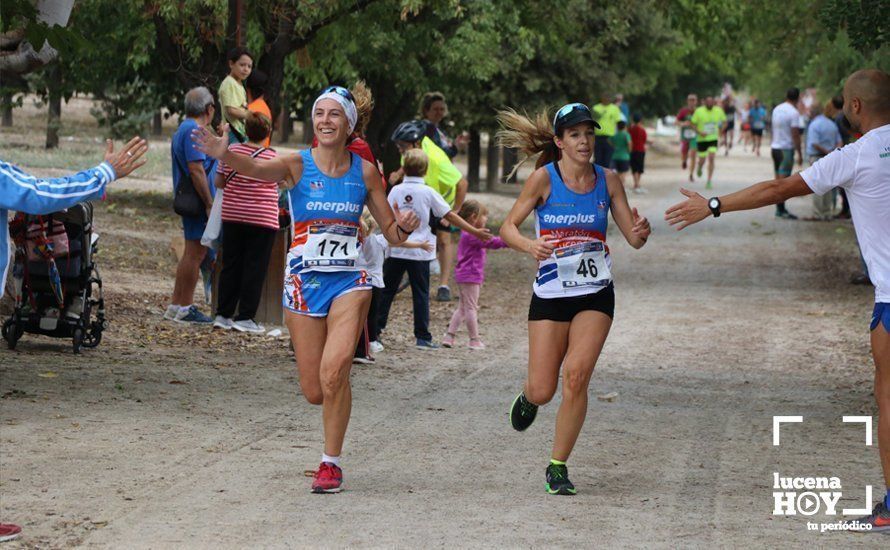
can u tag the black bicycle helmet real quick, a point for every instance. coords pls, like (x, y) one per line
(411, 131)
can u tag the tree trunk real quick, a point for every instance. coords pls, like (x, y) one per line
(27, 56)
(474, 154)
(308, 129)
(54, 118)
(493, 161)
(157, 122)
(6, 106)
(285, 124)
(510, 157)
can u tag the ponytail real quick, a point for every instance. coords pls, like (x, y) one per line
(530, 136)
(364, 105)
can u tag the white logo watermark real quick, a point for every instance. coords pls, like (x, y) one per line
(808, 496)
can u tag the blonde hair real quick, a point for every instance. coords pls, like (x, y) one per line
(367, 221)
(364, 105)
(472, 208)
(531, 136)
(415, 162)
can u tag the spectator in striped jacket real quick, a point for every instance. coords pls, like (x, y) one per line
(249, 225)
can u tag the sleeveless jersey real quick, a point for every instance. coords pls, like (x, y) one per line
(580, 263)
(325, 213)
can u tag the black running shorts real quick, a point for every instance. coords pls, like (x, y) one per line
(564, 310)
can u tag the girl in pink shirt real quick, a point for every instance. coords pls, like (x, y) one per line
(470, 273)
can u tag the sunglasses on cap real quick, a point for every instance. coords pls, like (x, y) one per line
(571, 114)
(339, 90)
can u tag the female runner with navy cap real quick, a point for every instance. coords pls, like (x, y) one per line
(324, 298)
(573, 302)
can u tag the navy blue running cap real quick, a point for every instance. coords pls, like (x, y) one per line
(572, 114)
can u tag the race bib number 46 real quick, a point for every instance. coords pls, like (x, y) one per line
(331, 245)
(582, 265)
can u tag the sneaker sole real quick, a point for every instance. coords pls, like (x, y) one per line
(513, 408)
(446, 345)
(363, 361)
(320, 491)
(251, 331)
(564, 491)
(221, 326)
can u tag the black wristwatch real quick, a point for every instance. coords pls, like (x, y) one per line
(714, 205)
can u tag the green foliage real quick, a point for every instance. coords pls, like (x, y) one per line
(22, 14)
(483, 54)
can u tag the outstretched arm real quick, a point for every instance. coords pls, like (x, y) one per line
(484, 234)
(285, 167)
(23, 192)
(695, 208)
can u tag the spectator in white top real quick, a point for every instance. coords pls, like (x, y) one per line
(786, 140)
(861, 168)
(414, 194)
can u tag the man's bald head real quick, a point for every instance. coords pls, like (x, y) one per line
(867, 95)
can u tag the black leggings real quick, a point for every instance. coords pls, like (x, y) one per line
(245, 260)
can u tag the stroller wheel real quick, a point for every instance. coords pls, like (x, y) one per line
(78, 339)
(93, 336)
(12, 331)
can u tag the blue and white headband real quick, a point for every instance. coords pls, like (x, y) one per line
(344, 98)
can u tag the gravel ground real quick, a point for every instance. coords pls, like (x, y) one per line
(177, 437)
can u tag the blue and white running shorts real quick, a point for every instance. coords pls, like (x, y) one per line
(312, 293)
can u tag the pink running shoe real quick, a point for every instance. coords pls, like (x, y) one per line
(328, 479)
(476, 344)
(448, 340)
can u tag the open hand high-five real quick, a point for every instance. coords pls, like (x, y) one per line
(692, 210)
(211, 144)
(127, 159)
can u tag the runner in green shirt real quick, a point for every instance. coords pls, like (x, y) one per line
(607, 115)
(621, 155)
(708, 121)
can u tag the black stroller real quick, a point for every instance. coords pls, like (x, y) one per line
(63, 305)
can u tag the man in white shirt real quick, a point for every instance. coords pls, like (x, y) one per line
(786, 140)
(862, 169)
(414, 194)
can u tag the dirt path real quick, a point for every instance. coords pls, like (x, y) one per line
(170, 438)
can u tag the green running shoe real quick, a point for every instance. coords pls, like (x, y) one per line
(522, 413)
(558, 480)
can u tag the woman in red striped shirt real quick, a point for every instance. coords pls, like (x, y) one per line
(249, 224)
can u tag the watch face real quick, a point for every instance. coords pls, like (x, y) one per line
(713, 203)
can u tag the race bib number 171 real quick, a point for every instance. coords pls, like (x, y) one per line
(331, 245)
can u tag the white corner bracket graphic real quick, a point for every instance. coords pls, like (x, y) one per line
(864, 420)
(861, 511)
(779, 420)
